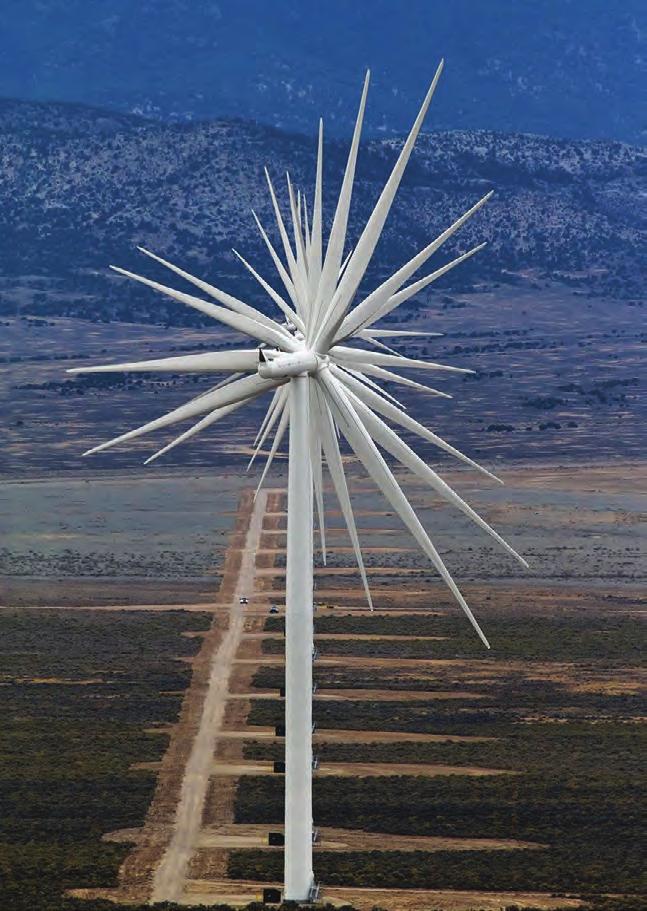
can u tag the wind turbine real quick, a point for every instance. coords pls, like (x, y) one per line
(322, 388)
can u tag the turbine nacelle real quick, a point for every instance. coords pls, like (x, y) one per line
(274, 364)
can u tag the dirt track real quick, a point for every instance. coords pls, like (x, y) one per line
(338, 735)
(360, 769)
(380, 695)
(332, 839)
(240, 893)
(168, 882)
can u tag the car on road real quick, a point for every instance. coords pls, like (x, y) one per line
(244, 600)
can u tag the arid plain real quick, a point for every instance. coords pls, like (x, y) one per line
(447, 777)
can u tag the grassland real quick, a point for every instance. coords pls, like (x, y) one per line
(548, 702)
(558, 378)
(79, 691)
(102, 540)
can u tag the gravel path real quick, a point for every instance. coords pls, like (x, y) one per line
(170, 876)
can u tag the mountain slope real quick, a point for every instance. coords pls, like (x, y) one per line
(80, 188)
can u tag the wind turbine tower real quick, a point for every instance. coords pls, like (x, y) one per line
(323, 361)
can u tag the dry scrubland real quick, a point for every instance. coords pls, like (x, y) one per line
(558, 379)
(448, 777)
(103, 539)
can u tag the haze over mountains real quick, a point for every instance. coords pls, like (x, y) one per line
(572, 68)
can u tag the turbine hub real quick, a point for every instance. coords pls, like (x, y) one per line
(277, 364)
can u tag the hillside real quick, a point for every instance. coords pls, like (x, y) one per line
(549, 314)
(81, 187)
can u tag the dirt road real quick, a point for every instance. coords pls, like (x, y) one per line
(170, 876)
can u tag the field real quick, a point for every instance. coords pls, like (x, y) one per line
(104, 540)
(558, 379)
(447, 777)
(83, 694)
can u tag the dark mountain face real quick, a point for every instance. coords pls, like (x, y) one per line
(80, 188)
(574, 68)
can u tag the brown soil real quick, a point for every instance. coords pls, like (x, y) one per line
(362, 637)
(207, 872)
(136, 872)
(331, 839)
(59, 681)
(252, 732)
(360, 769)
(243, 892)
(415, 899)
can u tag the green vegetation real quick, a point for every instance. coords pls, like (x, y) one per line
(478, 870)
(78, 689)
(556, 637)
(531, 747)
(578, 793)
(577, 787)
(512, 702)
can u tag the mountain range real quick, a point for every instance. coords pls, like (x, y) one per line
(82, 187)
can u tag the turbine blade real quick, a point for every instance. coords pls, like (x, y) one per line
(226, 381)
(299, 245)
(361, 356)
(283, 306)
(375, 343)
(301, 262)
(238, 391)
(315, 254)
(214, 362)
(335, 465)
(404, 420)
(414, 288)
(389, 377)
(206, 421)
(342, 268)
(287, 248)
(390, 441)
(366, 450)
(276, 412)
(270, 408)
(274, 336)
(366, 380)
(396, 333)
(376, 299)
(280, 432)
(317, 477)
(371, 233)
(366, 336)
(280, 268)
(221, 296)
(337, 238)
(306, 233)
